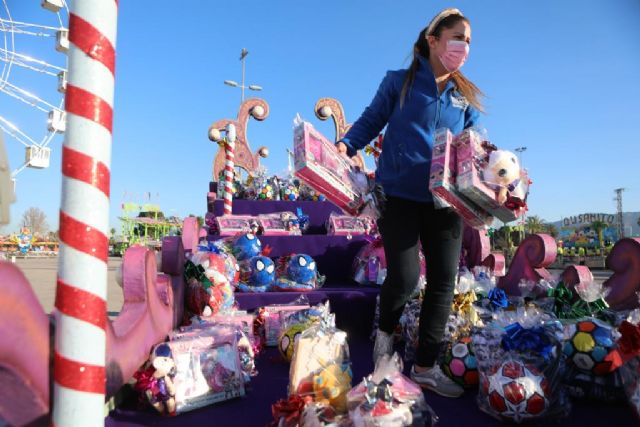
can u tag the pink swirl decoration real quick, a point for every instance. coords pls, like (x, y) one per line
(624, 284)
(476, 246)
(243, 155)
(496, 263)
(534, 254)
(575, 275)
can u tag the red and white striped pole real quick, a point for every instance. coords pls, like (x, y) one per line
(229, 164)
(81, 309)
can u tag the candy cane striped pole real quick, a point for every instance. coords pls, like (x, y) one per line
(377, 145)
(81, 315)
(228, 168)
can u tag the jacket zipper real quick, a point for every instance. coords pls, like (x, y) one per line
(437, 108)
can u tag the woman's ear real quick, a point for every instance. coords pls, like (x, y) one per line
(432, 41)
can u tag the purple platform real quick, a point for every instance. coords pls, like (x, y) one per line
(354, 312)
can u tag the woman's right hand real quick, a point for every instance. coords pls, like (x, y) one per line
(341, 147)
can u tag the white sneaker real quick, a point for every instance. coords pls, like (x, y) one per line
(382, 346)
(435, 380)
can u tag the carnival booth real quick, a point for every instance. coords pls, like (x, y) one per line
(264, 315)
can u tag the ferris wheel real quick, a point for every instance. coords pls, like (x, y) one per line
(33, 77)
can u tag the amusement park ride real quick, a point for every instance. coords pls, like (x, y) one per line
(144, 224)
(64, 378)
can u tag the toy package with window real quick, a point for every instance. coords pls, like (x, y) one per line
(348, 225)
(319, 165)
(320, 366)
(519, 358)
(442, 181)
(207, 367)
(271, 318)
(491, 178)
(279, 224)
(388, 398)
(230, 225)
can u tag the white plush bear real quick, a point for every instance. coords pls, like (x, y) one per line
(502, 171)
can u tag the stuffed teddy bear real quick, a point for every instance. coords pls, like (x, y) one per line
(156, 380)
(502, 172)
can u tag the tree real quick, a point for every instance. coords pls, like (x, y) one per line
(534, 225)
(36, 220)
(552, 230)
(599, 226)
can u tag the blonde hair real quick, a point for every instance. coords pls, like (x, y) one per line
(445, 19)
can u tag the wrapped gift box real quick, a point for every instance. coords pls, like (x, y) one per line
(279, 224)
(230, 225)
(208, 370)
(471, 156)
(273, 320)
(442, 181)
(345, 225)
(319, 165)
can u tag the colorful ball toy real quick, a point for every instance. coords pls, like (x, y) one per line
(257, 275)
(288, 338)
(460, 364)
(589, 342)
(246, 246)
(516, 391)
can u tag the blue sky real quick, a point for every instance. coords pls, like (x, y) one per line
(561, 79)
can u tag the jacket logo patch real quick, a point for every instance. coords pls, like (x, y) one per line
(459, 102)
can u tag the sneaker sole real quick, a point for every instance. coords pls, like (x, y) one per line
(436, 391)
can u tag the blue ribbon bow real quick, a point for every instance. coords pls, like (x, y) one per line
(527, 340)
(498, 298)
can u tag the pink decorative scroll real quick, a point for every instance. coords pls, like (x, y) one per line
(259, 110)
(574, 275)
(534, 254)
(624, 284)
(24, 350)
(190, 234)
(496, 263)
(476, 246)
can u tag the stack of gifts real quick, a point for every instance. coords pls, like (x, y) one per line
(476, 180)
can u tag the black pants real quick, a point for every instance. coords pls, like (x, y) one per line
(405, 225)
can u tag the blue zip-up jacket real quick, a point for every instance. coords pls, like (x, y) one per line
(403, 166)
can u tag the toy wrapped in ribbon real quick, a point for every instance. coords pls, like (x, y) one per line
(388, 398)
(320, 366)
(155, 380)
(293, 323)
(519, 357)
(297, 273)
(208, 289)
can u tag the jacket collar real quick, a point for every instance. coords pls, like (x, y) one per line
(425, 71)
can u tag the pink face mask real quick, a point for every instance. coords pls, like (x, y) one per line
(455, 55)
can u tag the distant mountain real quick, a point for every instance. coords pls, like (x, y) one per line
(630, 219)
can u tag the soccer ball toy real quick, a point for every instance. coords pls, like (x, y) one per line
(516, 391)
(460, 364)
(589, 342)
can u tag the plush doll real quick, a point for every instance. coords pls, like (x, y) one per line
(246, 246)
(157, 380)
(257, 275)
(503, 172)
(331, 384)
(297, 273)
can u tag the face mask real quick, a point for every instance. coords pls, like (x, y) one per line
(455, 55)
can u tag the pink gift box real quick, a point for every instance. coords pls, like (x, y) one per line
(208, 370)
(470, 155)
(319, 165)
(345, 225)
(230, 225)
(275, 225)
(442, 181)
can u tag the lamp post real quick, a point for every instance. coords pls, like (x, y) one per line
(232, 83)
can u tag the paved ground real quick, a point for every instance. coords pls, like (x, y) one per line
(41, 273)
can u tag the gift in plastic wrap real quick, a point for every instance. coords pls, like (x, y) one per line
(294, 323)
(630, 374)
(273, 319)
(320, 366)
(280, 224)
(348, 225)
(471, 158)
(442, 181)
(387, 398)
(318, 163)
(230, 225)
(520, 362)
(208, 370)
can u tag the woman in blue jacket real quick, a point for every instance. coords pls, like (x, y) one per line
(413, 103)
